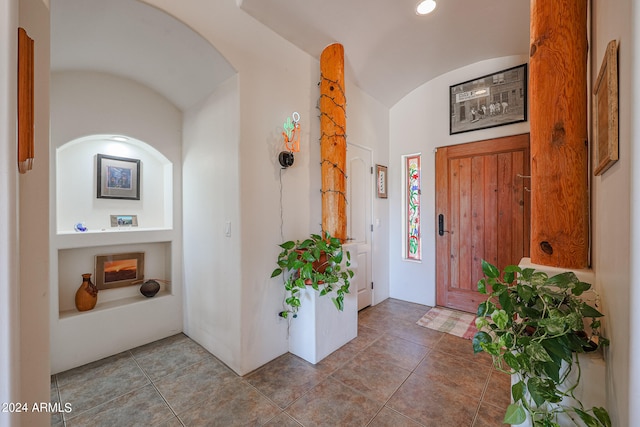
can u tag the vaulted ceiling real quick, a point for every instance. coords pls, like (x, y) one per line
(389, 50)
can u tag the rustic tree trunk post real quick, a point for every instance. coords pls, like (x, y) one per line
(559, 150)
(333, 141)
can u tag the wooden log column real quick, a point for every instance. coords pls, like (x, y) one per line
(333, 141)
(559, 150)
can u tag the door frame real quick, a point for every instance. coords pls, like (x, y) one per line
(372, 189)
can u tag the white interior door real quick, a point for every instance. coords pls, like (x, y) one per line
(359, 219)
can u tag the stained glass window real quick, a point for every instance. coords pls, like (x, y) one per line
(414, 241)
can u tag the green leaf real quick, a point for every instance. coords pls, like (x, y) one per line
(515, 414)
(513, 363)
(478, 339)
(602, 415)
(510, 273)
(498, 288)
(525, 292)
(580, 288)
(537, 352)
(517, 391)
(536, 390)
(553, 325)
(506, 303)
(276, 272)
(563, 280)
(490, 270)
(588, 311)
(552, 370)
(589, 420)
(500, 318)
(288, 245)
(482, 286)
(485, 309)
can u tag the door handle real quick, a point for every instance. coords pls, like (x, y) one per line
(441, 229)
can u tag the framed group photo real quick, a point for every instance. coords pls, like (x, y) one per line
(496, 99)
(118, 177)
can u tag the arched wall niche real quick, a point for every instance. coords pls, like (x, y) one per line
(76, 185)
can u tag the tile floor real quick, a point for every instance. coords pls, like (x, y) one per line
(395, 373)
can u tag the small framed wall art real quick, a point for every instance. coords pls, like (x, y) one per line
(605, 112)
(381, 181)
(118, 177)
(118, 270)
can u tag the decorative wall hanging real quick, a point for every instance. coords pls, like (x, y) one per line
(118, 270)
(493, 100)
(414, 240)
(333, 141)
(25, 102)
(605, 111)
(118, 177)
(381, 181)
(291, 135)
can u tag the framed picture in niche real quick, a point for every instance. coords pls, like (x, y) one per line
(496, 99)
(117, 177)
(118, 270)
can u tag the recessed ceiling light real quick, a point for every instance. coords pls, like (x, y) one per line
(120, 138)
(425, 6)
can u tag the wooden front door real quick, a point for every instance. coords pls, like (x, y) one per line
(482, 212)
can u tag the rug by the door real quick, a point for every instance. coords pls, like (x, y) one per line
(452, 322)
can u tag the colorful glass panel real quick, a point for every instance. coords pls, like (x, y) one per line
(414, 241)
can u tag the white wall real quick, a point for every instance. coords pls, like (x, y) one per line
(9, 289)
(611, 210)
(212, 273)
(634, 300)
(418, 124)
(34, 226)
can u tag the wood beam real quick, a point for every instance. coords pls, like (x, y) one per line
(559, 151)
(333, 141)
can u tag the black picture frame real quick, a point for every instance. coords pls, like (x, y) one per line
(492, 100)
(117, 177)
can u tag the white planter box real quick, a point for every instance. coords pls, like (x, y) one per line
(320, 329)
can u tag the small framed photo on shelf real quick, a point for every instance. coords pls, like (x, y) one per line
(118, 177)
(381, 181)
(124, 220)
(118, 270)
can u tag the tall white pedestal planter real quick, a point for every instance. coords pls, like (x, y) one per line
(320, 329)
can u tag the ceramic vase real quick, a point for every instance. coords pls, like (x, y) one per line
(87, 294)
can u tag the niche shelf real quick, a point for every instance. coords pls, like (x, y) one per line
(73, 262)
(76, 201)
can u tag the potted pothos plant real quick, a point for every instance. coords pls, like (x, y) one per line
(533, 326)
(319, 262)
